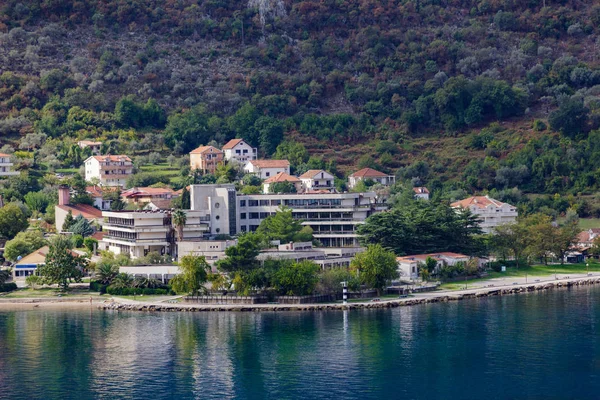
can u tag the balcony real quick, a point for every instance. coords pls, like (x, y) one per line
(137, 242)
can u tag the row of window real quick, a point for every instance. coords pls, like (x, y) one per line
(292, 202)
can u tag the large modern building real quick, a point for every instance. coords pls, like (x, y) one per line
(139, 232)
(334, 217)
(491, 212)
(109, 170)
(239, 151)
(6, 166)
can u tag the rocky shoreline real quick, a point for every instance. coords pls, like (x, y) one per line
(434, 298)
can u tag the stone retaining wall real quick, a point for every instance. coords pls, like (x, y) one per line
(442, 297)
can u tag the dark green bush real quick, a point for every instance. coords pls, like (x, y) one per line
(8, 287)
(131, 291)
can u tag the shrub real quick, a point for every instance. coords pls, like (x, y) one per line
(539, 125)
(128, 291)
(8, 287)
(77, 241)
(96, 286)
(89, 243)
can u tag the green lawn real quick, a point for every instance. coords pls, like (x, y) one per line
(67, 170)
(530, 271)
(587, 223)
(164, 169)
(150, 298)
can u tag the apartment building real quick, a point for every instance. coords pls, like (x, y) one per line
(139, 232)
(266, 168)
(239, 151)
(206, 159)
(109, 170)
(6, 166)
(333, 217)
(491, 212)
(372, 175)
(317, 179)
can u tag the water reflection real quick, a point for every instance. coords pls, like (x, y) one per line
(529, 346)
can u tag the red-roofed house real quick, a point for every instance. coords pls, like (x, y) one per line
(61, 210)
(98, 193)
(491, 212)
(409, 265)
(239, 151)
(317, 179)
(281, 177)
(6, 166)
(147, 194)
(109, 170)
(421, 193)
(370, 174)
(94, 146)
(267, 168)
(206, 159)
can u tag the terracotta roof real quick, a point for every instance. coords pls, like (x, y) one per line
(435, 256)
(98, 235)
(270, 163)
(147, 191)
(311, 173)
(4, 155)
(368, 173)
(111, 158)
(232, 143)
(421, 190)
(87, 211)
(160, 204)
(595, 230)
(281, 177)
(477, 201)
(204, 149)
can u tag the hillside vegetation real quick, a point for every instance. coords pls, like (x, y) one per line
(459, 95)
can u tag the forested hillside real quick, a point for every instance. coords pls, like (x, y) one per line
(468, 95)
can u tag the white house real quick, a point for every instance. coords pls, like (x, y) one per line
(98, 193)
(370, 174)
(281, 177)
(491, 212)
(6, 166)
(109, 170)
(317, 179)
(421, 193)
(409, 265)
(240, 151)
(94, 146)
(267, 168)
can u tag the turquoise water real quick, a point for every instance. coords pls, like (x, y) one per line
(531, 346)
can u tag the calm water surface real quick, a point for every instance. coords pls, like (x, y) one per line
(533, 346)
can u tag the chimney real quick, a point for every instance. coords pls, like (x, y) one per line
(64, 197)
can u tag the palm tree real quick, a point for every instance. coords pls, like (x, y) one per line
(106, 273)
(179, 220)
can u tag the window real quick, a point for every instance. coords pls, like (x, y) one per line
(242, 203)
(217, 205)
(264, 202)
(253, 216)
(244, 228)
(237, 152)
(264, 215)
(267, 174)
(245, 151)
(275, 202)
(217, 217)
(243, 216)
(252, 203)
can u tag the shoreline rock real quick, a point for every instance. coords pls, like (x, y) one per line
(442, 297)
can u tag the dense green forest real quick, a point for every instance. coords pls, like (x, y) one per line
(460, 95)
